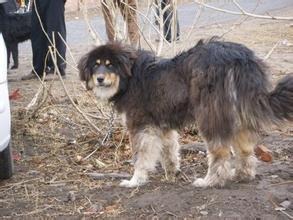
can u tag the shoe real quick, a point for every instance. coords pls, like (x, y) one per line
(62, 72)
(14, 67)
(49, 70)
(29, 76)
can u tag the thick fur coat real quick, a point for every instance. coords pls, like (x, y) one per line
(221, 86)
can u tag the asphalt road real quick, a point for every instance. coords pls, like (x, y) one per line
(186, 13)
(77, 32)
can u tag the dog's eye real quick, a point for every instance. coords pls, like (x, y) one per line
(108, 63)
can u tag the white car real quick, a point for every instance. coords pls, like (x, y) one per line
(6, 160)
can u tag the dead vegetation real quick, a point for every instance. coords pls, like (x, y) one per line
(70, 149)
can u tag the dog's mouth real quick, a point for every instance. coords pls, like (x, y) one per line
(104, 85)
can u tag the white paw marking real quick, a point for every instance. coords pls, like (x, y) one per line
(200, 182)
(131, 183)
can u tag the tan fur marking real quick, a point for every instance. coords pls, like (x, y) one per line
(223, 152)
(98, 61)
(244, 143)
(147, 145)
(170, 159)
(90, 84)
(219, 170)
(107, 62)
(245, 162)
(111, 79)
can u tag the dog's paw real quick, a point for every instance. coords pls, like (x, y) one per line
(200, 182)
(131, 183)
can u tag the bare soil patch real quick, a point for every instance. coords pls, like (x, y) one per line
(51, 144)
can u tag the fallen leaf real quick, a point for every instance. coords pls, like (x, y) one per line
(16, 156)
(111, 208)
(15, 95)
(263, 153)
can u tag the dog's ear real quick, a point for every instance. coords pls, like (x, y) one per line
(85, 71)
(126, 59)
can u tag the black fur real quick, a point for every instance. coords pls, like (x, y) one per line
(221, 85)
(16, 29)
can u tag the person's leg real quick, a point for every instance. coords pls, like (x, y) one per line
(14, 51)
(38, 38)
(168, 22)
(167, 19)
(56, 30)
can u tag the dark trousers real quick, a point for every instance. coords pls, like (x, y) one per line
(12, 49)
(51, 13)
(168, 21)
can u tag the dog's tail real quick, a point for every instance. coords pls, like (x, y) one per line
(281, 99)
(261, 108)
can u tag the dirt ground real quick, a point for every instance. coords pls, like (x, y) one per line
(55, 149)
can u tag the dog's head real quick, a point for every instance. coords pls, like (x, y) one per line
(106, 69)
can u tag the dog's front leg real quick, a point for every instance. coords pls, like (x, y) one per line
(148, 146)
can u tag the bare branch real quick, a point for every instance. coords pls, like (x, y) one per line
(243, 12)
(271, 51)
(95, 128)
(91, 30)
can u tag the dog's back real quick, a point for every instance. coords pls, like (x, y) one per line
(229, 86)
(235, 90)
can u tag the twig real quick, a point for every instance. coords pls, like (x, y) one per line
(95, 128)
(70, 53)
(278, 208)
(282, 183)
(18, 183)
(287, 214)
(118, 146)
(171, 213)
(35, 211)
(94, 34)
(99, 176)
(197, 16)
(271, 51)
(147, 19)
(110, 127)
(97, 148)
(243, 12)
(240, 22)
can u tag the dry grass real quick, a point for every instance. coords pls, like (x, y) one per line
(57, 147)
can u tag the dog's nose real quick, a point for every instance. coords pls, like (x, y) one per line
(100, 79)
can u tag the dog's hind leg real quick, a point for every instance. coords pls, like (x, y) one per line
(170, 156)
(14, 51)
(147, 145)
(243, 145)
(219, 170)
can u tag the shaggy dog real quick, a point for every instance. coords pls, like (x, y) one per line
(17, 28)
(222, 86)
